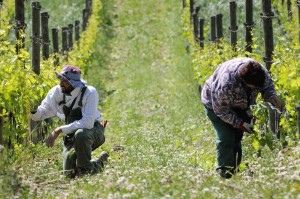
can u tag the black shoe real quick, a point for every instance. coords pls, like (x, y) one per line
(100, 162)
(225, 172)
(81, 172)
(70, 173)
(103, 157)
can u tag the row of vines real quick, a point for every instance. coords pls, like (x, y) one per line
(21, 89)
(285, 69)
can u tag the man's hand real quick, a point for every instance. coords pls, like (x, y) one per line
(34, 109)
(52, 137)
(246, 127)
(275, 100)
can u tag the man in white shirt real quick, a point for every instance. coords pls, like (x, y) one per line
(83, 131)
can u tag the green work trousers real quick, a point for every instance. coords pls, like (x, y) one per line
(228, 142)
(77, 151)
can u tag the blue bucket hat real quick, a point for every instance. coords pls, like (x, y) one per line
(73, 75)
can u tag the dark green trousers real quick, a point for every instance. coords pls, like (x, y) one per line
(78, 150)
(228, 142)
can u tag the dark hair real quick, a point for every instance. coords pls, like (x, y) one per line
(252, 73)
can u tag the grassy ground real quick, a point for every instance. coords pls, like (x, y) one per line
(159, 140)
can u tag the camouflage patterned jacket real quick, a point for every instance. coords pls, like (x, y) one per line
(224, 92)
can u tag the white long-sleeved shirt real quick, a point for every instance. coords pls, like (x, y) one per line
(50, 107)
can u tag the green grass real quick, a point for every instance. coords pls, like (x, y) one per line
(160, 142)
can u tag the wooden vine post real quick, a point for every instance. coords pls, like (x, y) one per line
(219, 27)
(213, 28)
(267, 16)
(85, 16)
(201, 32)
(191, 9)
(289, 9)
(20, 24)
(196, 23)
(233, 25)
(268, 32)
(35, 126)
(45, 35)
(197, 10)
(183, 3)
(64, 37)
(77, 30)
(88, 6)
(86, 12)
(70, 37)
(249, 24)
(55, 46)
(36, 38)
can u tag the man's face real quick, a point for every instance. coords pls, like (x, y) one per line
(65, 86)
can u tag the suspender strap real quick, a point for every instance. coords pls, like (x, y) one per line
(74, 100)
(81, 97)
(80, 101)
(63, 101)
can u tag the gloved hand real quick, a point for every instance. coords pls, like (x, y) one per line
(275, 100)
(246, 127)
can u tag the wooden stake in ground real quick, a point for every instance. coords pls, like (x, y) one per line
(20, 24)
(36, 37)
(249, 24)
(45, 35)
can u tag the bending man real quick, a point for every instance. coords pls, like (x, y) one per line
(227, 96)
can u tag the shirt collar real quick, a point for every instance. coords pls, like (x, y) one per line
(75, 92)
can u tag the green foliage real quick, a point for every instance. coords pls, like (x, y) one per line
(287, 23)
(6, 14)
(81, 54)
(18, 94)
(286, 72)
